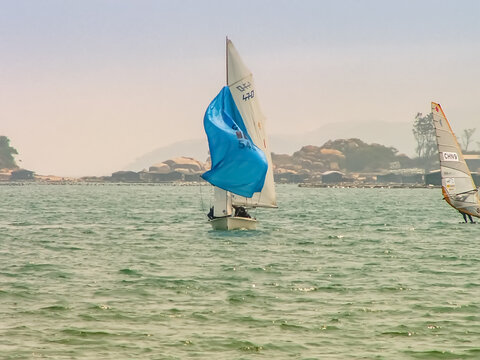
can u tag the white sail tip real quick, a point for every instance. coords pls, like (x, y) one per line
(436, 108)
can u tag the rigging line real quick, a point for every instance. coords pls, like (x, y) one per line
(201, 198)
(468, 191)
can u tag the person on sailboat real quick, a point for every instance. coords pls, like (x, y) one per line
(240, 211)
(465, 217)
(210, 214)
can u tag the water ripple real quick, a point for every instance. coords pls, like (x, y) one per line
(130, 272)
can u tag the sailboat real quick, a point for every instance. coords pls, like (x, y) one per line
(242, 169)
(458, 187)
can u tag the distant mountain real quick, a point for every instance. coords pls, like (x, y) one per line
(196, 148)
(398, 135)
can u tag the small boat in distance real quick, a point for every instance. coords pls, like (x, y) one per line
(458, 187)
(242, 170)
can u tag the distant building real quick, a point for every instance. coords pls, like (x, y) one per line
(329, 177)
(412, 178)
(159, 178)
(389, 178)
(290, 177)
(193, 177)
(433, 178)
(402, 176)
(125, 176)
(21, 174)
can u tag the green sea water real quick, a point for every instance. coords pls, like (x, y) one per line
(135, 272)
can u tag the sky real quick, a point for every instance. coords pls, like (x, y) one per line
(88, 86)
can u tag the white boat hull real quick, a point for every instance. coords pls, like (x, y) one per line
(233, 223)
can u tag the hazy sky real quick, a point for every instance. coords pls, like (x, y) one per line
(87, 86)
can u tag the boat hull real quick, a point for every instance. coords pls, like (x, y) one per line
(233, 223)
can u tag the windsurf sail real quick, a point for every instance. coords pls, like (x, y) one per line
(458, 187)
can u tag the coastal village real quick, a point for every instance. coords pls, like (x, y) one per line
(343, 162)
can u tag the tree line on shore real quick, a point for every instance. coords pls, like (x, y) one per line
(425, 137)
(7, 154)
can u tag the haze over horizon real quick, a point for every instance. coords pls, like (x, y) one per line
(87, 87)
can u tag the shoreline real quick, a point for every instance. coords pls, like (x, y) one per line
(204, 183)
(370, 186)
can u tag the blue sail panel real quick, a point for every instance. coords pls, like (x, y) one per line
(238, 165)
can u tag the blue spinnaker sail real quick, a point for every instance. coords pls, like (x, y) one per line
(238, 165)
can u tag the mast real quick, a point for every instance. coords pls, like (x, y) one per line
(226, 58)
(223, 198)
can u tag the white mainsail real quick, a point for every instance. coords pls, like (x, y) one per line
(458, 187)
(222, 202)
(241, 84)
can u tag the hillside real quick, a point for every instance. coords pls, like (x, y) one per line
(397, 135)
(350, 155)
(195, 148)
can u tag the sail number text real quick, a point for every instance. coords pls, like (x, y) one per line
(244, 87)
(243, 141)
(450, 156)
